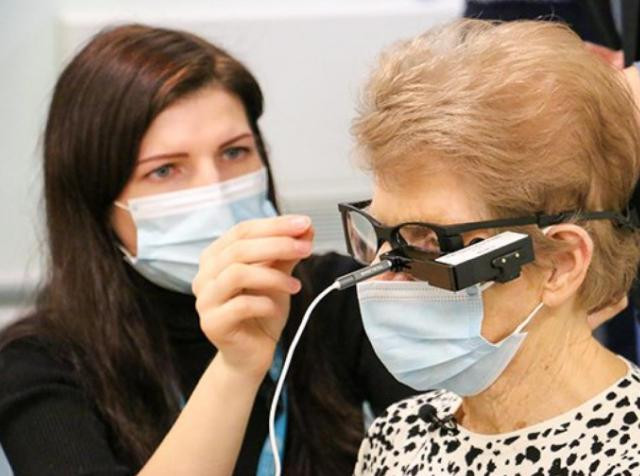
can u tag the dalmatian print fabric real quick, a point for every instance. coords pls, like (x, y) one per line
(600, 437)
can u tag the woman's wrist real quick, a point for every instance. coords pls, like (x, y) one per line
(236, 375)
(220, 404)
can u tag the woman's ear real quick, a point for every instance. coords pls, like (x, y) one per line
(570, 265)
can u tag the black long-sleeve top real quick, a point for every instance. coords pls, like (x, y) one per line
(50, 426)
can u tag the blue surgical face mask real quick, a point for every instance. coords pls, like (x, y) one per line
(173, 229)
(429, 338)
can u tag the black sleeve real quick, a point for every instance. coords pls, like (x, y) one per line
(359, 369)
(47, 424)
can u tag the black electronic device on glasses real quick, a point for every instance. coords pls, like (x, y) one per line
(499, 258)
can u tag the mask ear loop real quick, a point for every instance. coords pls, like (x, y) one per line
(535, 311)
(532, 314)
(529, 318)
(126, 255)
(487, 285)
(122, 206)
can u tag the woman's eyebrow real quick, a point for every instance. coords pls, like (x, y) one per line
(173, 155)
(168, 155)
(235, 139)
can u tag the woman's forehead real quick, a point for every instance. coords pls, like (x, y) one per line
(441, 198)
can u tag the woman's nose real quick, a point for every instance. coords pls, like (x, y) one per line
(206, 172)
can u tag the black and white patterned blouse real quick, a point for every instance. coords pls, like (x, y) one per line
(600, 437)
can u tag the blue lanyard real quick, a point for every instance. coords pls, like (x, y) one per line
(265, 463)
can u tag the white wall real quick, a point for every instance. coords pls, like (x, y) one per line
(310, 57)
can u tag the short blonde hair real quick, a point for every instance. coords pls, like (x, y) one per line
(527, 116)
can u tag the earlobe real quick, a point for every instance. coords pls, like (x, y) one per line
(570, 264)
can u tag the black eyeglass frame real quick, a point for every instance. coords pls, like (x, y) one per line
(450, 236)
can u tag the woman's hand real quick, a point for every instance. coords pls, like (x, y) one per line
(243, 288)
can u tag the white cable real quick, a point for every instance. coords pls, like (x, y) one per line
(283, 374)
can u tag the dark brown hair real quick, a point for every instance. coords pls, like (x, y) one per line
(103, 102)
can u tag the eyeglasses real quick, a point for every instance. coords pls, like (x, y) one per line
(365, 235)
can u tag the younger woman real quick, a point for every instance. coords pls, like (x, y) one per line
(152, 155)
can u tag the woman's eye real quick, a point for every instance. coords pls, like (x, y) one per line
(235, 153)
(162, 172)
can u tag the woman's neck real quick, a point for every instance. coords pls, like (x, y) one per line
(559, 366)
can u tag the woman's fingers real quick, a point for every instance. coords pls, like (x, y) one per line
(287, 265)
(287, 238)
(238, 278)
(285, 225)
(243, 286)
(251, 251)
(223, 323)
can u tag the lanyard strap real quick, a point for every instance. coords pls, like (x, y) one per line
(265, 462)
(266, 465)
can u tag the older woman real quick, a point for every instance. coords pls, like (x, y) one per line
(518, 122)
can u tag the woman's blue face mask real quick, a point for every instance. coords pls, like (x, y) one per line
(430, 338)
(173, 229)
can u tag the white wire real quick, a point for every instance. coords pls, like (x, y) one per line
(283, 374)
